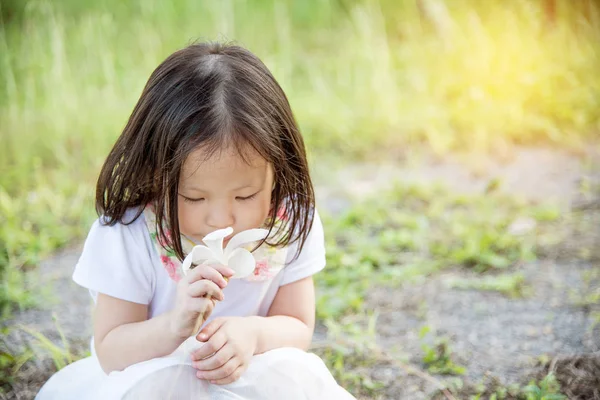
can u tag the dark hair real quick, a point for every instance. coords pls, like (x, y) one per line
(211, 95)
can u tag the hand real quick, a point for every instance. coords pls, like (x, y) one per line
(229, 346)
(197, 294)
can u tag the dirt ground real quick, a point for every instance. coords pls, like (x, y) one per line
(491, 334)
(495, 337)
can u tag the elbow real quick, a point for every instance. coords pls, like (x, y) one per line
(307, 336)
(104, 359)
(106, 364)
(105, 367)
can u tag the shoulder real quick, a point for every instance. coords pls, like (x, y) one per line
(117, 259)
(130, 236)
(310, 258)
(315, 239)
(132, 229)
(133, 217)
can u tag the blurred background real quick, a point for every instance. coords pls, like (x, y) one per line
(454, 146)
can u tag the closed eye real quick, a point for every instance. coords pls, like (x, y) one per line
(190, 200)
(246, 198)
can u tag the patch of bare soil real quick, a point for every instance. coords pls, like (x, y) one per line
(494, 337)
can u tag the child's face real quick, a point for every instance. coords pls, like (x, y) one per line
(223, 191)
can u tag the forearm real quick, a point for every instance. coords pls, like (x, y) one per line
(281, 331)
(132, 343)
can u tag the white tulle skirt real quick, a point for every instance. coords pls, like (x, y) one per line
(285, 373)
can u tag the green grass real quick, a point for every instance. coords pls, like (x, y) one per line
(402, 235)
(61, 356)
(351, 351)
(438, 356)
(547, 388)
(512, 285)
(39, 348)
(10, 363)
(361, 76)
(408, 232)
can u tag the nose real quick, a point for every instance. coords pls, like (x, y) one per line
(220, 215)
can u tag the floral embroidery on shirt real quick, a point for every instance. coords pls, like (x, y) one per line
(262, 269)
(171, 268)
(159, 238)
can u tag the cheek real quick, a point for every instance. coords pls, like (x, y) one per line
(186, 216)
(255, 215)
(265, 205)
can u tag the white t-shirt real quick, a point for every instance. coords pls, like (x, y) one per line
(121, 261)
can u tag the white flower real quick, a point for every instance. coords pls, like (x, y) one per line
(238, 259)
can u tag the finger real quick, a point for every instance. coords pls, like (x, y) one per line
(210, 329)
(201, 305)
(203, 315)
(215, 361)
(223, 270)
(231, 378)
(220, 373)
(209, 348)
(205, 288)
(206, 272)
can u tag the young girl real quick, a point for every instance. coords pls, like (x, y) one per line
(212, 143)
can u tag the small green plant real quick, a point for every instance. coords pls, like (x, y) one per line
(438, 357)
(511, 285)
(547, 389)
(588, 295)
(10, 362)
(61, 356)
(351, 351)
(343, 361)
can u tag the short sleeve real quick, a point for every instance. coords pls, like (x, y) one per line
(311, 258)
(115, 261)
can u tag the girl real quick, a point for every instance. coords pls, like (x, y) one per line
(212, 143)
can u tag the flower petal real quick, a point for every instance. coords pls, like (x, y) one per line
(201, 253)
(187, 264)
(242, 262)
(214, 241)
(244, 237)
(198, 255)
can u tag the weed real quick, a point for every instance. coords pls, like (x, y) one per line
(547, 389)
(351, 351)
(511, 285)
(408, 232)
(10, 363)
(60, 356)
(490, 388)
(438, 357)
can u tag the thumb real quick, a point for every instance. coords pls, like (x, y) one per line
(210, 329)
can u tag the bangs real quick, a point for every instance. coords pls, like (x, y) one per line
(241, 142)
